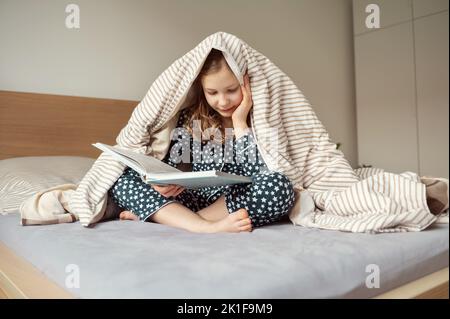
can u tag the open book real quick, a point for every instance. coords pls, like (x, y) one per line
(154, 171)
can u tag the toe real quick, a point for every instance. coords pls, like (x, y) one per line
(241, 213)
(246, 228)
(245, 222)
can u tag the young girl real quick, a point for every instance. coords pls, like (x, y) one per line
(221, 105)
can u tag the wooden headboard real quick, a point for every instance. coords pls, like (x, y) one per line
(44, 124)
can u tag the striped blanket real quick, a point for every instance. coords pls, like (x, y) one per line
(291, 140)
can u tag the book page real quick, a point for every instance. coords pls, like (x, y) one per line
(147, 163)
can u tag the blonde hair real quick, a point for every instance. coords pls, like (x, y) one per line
(200, 110)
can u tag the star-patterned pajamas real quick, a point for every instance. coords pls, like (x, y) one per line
(269, 197)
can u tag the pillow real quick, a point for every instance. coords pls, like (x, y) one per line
(21, 177)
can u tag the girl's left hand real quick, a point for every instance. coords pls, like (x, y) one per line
(239, 116)
(168, 190)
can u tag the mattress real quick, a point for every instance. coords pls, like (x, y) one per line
(127, 259)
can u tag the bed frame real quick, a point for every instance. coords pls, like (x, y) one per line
(43, 125)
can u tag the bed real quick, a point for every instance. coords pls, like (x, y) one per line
(147, 260)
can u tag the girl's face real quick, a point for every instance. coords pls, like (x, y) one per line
(222, 91)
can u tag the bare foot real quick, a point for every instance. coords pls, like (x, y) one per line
(234, 223)
(127, 215)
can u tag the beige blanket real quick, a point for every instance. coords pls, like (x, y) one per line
(289, 136)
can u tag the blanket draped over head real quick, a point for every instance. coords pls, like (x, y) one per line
(289, 136)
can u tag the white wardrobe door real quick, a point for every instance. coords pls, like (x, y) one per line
(432, 55)
(386, 109)
(426, 7)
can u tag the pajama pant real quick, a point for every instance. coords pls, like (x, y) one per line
(267, 199)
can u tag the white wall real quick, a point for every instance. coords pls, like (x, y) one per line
(122, 46)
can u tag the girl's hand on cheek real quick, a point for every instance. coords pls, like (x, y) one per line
(239, 116)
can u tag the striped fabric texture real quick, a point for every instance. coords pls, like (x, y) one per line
(290, 138)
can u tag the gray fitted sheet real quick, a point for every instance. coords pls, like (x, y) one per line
(125, 259)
